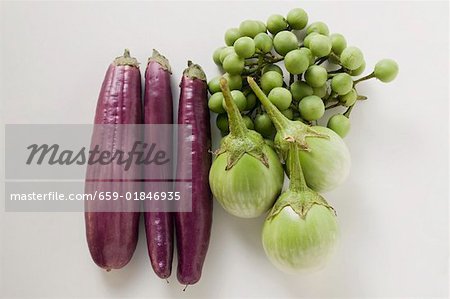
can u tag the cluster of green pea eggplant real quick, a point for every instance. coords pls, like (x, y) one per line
(270, 127)
(320, 69)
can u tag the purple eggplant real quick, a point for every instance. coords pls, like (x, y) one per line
(158, 109)
(193, 228)
(112, 236)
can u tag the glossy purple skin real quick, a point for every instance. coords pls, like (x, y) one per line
(112, 236)
(193, 228)
(159, 226)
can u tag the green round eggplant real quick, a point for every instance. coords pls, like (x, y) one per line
(295, 244)
(249, 188)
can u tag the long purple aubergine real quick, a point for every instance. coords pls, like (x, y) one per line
(193, 228)
(112, 236)
(158, 109)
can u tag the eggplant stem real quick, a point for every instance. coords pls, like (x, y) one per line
(349, 110)
(333, 106)
(297, 179)
(341, 70)
(319, 61)
(194, 71)
(236, 123)
(369, 76)
(161, 59)
(279, 120)
(126, 60)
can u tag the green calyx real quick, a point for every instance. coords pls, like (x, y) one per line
(194, 71)
(161, 59)
(241, 140)
(299, 196)
(287, 131)
(126, 59)
(252, 144)
(296, 132)
(301, 202)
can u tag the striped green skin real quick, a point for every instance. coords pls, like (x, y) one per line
(328, 162)
(296, 245)
(325, 166)
(249, 188)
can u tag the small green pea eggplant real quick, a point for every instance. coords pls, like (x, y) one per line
(325, 157)
(247, 176)
(301, 231)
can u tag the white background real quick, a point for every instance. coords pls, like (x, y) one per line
(393, 209)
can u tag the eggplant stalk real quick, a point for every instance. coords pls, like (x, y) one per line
(240, 140)
(297, 181)
(236, 123)
(291, 131)
(301, 198)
